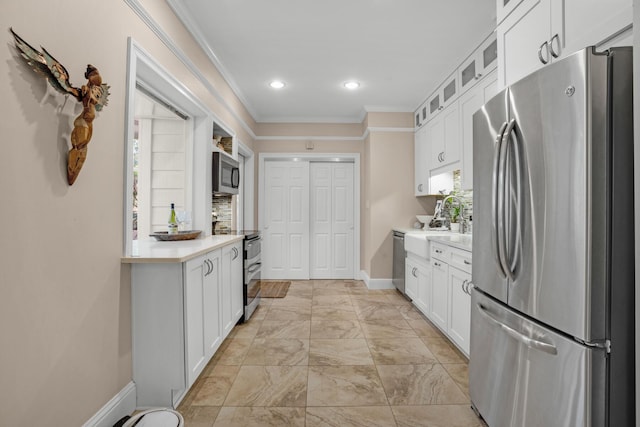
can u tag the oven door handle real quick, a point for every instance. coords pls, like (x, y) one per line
(254, 267)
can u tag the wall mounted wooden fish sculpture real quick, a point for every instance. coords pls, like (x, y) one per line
(93, 95)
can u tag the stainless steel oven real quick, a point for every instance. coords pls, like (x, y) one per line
(252, 267)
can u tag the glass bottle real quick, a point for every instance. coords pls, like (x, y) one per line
(173, 222)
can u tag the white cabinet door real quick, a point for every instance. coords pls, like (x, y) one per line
(443, 137)
(459, 324)
(590, 22)
(211, 303)
(227, 284)
(469, 103)
(286, 221)
(421, 158)
(520, 37)
(194, 297)
(421, 116)
(479, 64)
(332, 221)
(237, 282)
(410, 279)
(231, 283)
(423, 300)
(439, 293)
(504, 8)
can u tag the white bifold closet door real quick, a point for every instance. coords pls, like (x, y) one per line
(331, 222)
(285, 251)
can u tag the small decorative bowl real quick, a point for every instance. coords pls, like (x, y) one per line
(181, 235)
(425, 219)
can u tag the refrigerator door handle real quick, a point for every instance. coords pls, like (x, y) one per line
(502, 202)
(511, 139)
(529, 342)
(495, 189)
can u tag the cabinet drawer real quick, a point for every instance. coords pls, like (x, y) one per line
(440, 251)
(460, 259)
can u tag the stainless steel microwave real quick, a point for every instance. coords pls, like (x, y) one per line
(226, 174)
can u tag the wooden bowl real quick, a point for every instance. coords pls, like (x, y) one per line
(181, 235)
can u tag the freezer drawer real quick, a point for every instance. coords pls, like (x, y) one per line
(521, 374)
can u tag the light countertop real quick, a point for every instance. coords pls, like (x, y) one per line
(151, 251)
(458, 240)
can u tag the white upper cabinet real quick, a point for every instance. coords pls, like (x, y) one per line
(443, 137)
(539, 31)
(504, 8)
(523, 41)
(469, 104)
(482, 62)
(446, 94)
(421, 116)
(592, 22)
(421, 157)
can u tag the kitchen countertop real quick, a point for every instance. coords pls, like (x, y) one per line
(458, 240)
(151, 251)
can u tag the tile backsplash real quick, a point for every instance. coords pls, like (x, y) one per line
(221, 205)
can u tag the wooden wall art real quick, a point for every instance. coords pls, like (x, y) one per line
(93, 95)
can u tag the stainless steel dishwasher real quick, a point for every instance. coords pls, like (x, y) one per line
(399, 254)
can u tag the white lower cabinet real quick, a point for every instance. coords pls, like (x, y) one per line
(440, 289)
(459, 322)
(439, 293)
(410, 279)
(231, 285)
(418, 282)
(181, 312)
(201, 307)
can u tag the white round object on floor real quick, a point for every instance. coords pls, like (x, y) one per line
(156, 418)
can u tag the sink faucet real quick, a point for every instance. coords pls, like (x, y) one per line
(459, 200)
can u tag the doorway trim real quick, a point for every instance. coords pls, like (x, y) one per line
(249, 184)
(143, 69)
(318, 157)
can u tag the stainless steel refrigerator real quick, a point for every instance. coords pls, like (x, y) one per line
(552, 315)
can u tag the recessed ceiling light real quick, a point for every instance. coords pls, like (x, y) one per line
(352, 85)
(277, 84)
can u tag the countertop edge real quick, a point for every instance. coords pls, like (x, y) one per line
(183, 258)
(445, 241)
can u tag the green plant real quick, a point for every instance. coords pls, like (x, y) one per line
(455, 213)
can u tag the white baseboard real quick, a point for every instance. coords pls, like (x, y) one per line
(376, 283)
(122, 404)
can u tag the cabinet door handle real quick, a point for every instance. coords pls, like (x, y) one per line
(209, 267)
(463, 286)
(478, 76)
(467, 262)
(469, 287)
(440, 108)
(438, 251)
(413, 272)
(555, 54)
(544, 45)
(437, 264)
(420, 187)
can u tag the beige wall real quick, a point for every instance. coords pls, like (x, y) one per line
(65, 297)
(389, 199)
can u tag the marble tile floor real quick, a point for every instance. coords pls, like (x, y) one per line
(333, 353)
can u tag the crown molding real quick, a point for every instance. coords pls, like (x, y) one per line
(184, 58)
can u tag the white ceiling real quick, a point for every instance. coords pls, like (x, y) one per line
(399, 50)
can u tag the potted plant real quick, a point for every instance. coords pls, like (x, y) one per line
(455, 214)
